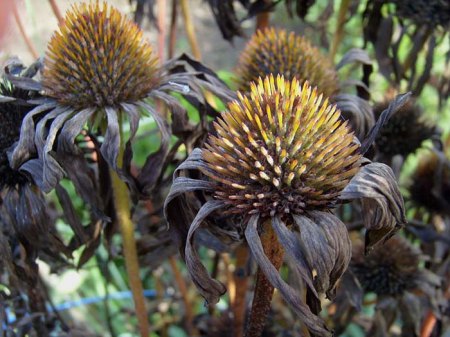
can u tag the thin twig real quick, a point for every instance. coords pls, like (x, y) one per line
(25, 37)
(184, 294)
(56, 11)
(190, 31)
(431, 320)
(161, 5)
(173, 29)
(342, 16)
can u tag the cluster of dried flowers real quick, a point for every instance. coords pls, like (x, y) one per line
(296, 179)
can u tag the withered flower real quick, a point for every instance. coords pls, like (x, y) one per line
(404, 132)
(430, 183)
(281, 158)
(229, 22)
(99, 71)
(422, 12)
(276, 51)
(22, 203)
(392, 272)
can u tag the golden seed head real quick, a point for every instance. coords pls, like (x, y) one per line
(275, 51)
(281, 149)
(98, 58)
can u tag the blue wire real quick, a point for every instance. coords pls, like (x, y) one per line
(120, 295)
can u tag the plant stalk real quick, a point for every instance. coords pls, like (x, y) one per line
(263, 288)
(161, 4)
(262, 21)
(173, 29)
(337, 38)
(190, 31)
(184, 295)
(25, 37)
(122, 206)
(239, 303)
(56, 11)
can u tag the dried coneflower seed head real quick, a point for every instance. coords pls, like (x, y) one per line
(275, 51)
(430, 187)
(404, 132)
(98, 58)
(390, 269)
(281, 149)
(11, 116)
(425, 12)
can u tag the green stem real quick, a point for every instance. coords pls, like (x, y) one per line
(122, 206)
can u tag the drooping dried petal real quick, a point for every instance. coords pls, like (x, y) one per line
(404, 132)
(383, 209)
(291, 296)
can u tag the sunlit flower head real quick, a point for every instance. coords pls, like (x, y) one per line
(276, 51)
(278, 161)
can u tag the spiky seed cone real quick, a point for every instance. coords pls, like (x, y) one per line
(404, 132)
(275, 51)
(430, 187)
(425, 12)
(98, 58)
(389, 269)
(281, 149)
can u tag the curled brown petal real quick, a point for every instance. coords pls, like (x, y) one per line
(210, 289)
(290, 295)
(382, 202)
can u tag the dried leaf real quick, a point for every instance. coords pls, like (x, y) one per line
(382, 202)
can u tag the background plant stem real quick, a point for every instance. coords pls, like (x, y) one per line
(25, 37)
(122, 206)
(337, 38)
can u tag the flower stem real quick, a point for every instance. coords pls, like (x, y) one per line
(263, 288)
(190, 31)
(262, 21)
(173, 29)
(184, 294)
(342, 15)
(56, 11)
(123, 214)
(162, 4)
(240, 279)
(19, 23)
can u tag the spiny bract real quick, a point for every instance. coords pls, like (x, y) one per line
(275, 51)
(98, 58)
(281, 149)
